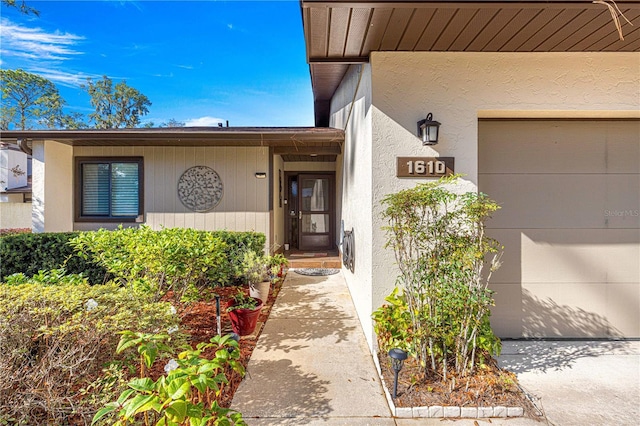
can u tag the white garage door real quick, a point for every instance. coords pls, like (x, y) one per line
(570, 223)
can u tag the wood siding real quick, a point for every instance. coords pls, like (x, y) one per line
(244, 205)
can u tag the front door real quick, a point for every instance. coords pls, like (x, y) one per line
(316, 218)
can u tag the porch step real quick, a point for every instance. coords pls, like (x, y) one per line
(331, 261)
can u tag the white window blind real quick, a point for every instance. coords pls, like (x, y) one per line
(110, 189)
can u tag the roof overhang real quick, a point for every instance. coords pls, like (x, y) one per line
(341, 33)
(283, 140)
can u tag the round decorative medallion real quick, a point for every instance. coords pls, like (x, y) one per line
(200, 188)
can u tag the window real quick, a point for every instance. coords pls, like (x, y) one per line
(109, 189)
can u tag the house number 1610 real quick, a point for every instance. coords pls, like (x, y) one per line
(424, 167)
(430, 167)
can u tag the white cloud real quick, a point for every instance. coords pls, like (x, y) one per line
(69, 79)
(36, 43)
(203, 122)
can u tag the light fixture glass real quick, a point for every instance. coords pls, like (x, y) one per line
(428, 130)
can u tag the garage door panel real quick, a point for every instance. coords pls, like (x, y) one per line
(563, 201)
(559, 147)
(510, 270)
(561, 255)
(623, 147)
(567, 310)
(506, 315)
(588, 256)
(623, 308)
(537, 147)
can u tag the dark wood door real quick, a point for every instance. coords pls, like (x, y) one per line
(316, 211)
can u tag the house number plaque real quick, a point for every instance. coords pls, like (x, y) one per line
(423, 167)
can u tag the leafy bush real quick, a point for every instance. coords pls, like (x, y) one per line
(56, 334)
(392, 324)
(28, 253)
(238, 243)
(176, 259)
(442, 252)
(186, 394)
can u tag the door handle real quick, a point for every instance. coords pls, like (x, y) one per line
(300, 214)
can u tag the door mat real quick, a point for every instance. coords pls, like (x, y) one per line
(317, 272)
(308, 255)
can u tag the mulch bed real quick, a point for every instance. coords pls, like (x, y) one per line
(198, 319)
(490, 386)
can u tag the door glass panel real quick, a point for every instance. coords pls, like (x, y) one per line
(315, 223)
(315, 195)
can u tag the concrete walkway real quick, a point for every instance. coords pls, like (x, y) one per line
(311, 365)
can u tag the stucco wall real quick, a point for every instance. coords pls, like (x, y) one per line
(15, 214)
(351, 111)
(460, 87)
(52, 162)
(244, 205)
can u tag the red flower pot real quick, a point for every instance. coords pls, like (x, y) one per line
(244, 321)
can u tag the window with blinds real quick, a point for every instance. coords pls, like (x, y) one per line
(109, 188)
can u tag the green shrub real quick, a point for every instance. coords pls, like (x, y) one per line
(445, 261)
(237, 244)
(28, 253)
(172, 259)
(186, 394)
(392, 324)
(57, 333)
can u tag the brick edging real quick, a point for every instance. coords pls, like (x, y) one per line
(439, 411)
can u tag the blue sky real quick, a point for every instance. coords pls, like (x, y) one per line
(199, 62)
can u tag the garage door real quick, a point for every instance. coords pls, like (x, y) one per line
(570, 224)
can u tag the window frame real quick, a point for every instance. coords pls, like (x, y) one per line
(78, 183)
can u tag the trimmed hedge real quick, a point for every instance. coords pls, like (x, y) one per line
(29, 253)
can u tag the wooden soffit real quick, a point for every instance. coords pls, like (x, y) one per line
(341, 33)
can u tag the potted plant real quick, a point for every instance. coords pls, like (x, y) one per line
(243, 312)
(256, 274)
(277, 263)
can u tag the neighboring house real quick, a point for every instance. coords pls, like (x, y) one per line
(15, 188)
(540, 108)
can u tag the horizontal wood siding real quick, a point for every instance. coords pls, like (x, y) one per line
(244, 205)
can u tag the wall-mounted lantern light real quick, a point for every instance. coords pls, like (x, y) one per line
(397, 359)
(428, 130)
(261, 175)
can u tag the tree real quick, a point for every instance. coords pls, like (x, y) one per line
(23, 7)
(28, 100)
(172, 122)
(115, 106)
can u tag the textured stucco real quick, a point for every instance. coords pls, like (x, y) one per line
(351, 111)
(14, 213)
(458, 88)
(52, 162)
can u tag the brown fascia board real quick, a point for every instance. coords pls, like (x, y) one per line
(251, 136)
(451, 3)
